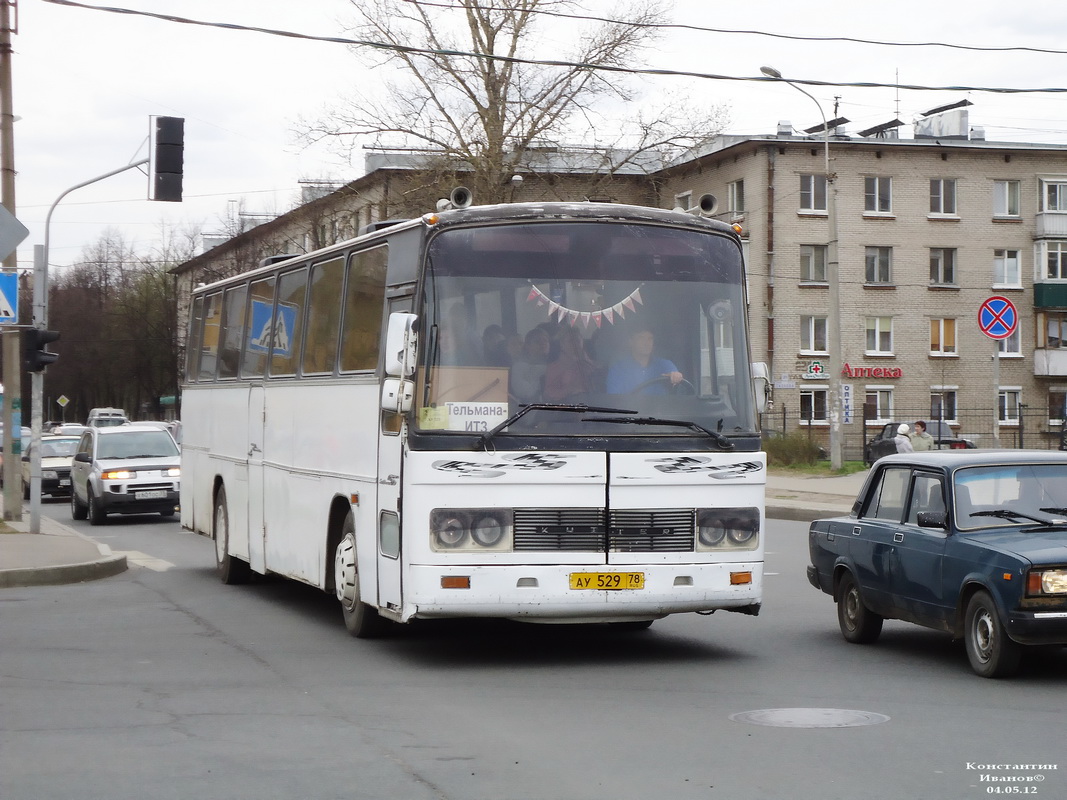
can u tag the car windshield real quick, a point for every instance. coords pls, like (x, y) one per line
(643, 319)
(59, 448)
(137, 444)
(1032, 491)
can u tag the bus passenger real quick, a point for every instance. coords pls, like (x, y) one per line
(573, 372)
(528, 372)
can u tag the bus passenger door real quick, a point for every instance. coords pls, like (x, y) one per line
(390, 457)
(256, 544)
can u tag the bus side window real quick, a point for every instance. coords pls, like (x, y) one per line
(289, 322)
(364, 305)
(232, 331)
(324, 317)
(209, 344)
(196, 331)
(258, 334)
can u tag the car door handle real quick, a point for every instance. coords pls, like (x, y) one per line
(898, 537)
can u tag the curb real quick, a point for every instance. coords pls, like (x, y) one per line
(63, 573)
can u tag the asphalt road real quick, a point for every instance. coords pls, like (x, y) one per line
(163, 683)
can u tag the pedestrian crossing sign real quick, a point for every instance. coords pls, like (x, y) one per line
(9, 298)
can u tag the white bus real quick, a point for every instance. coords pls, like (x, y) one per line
(541, 412)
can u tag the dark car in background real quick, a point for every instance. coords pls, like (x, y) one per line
(972, 543)
(883, 445)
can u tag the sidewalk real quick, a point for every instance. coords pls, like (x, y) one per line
(59, 554)
(805, 498)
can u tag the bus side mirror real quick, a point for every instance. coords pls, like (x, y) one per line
(397, 395)
(400, 340)
(761, 384)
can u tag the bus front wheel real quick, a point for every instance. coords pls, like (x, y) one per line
(361, 620)
(231, 570)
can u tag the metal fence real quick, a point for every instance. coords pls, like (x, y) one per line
(1032, 429)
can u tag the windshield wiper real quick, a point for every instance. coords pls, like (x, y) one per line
(1003, 513)
(580, 408)
(720, 440)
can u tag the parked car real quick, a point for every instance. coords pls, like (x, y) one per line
(124, 470)
(973, 543)
(57, 452)
(883, 445)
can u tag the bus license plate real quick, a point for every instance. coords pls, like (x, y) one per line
(608, 580)
(153, 494)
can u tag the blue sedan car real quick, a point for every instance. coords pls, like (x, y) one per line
(970, 542)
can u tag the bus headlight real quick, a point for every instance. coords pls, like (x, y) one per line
(468, 529)
(727, 528)
(1047, 581)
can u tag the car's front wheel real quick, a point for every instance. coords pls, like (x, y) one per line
(97, 515)
(989, 649)
(77, 510)
(859, 624)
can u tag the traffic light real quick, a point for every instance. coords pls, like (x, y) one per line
(165, 159)
(34, 356)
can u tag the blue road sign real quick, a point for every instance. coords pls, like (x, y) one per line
(9, 298)
(998, 317)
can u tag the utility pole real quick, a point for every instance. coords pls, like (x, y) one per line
(12, 400)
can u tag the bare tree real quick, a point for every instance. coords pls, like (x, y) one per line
(488, 118)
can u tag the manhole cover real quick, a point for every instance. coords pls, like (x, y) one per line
(809, 717)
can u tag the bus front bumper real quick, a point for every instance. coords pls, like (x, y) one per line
(543, 593)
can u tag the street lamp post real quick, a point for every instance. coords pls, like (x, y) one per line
(833, 322)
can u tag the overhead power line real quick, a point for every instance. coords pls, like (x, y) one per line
(556, 63)
(793, 37)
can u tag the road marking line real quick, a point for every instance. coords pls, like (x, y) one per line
(145, 560)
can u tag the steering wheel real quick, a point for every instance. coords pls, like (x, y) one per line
(675, 388)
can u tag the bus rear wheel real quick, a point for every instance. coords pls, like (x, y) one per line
(361, 620)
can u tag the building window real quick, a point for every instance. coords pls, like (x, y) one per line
(878, 195)
(942, 337)
(735, 197)
(1057, 405)
(1054, 196)
(943, 404)
(1010, 346)
(813, 263)
(813, 193)
(879, 264)
(879, 336)
(1006, 268)
(942, 266)
(1006, 196)
(879, 402)
(1052, 329)
(1055, 260)
(813, 335)
(813, 405)
(943, 196)
(1008, 406)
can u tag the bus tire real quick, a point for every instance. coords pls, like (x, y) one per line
(361, 620)
(231, 570)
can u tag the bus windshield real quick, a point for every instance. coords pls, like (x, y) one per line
(645, 320)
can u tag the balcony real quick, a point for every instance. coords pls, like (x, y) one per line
(1050, 363)
(1050, 295)
(1051, 224)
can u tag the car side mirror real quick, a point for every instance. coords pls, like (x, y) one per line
(932, 519)
(82, 457)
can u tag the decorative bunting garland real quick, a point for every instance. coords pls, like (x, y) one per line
(561, 313)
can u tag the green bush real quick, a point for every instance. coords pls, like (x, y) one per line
(787, 451)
